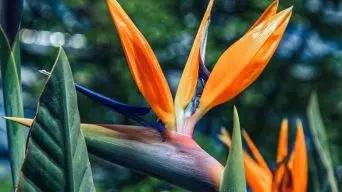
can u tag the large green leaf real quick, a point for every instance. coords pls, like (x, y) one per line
(320, 141)
(10, 72)
(233, 179)
(56, 156)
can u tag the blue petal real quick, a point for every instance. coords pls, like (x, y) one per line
(132, 112)
(113, 104)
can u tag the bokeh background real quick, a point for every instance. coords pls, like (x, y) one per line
(308, 59)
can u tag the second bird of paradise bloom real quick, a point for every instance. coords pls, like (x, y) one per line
(235, 70)
(290, 174)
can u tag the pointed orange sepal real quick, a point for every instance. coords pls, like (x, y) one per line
(243, 62)
(281, 171)
(225, 137)
(144, 66)
(187, 84)
(268, 13)
(298, 161)
(283, 142)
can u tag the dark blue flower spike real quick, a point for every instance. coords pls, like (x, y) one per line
(111, 103)
(132, 112)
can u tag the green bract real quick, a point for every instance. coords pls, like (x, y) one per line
(233, 179)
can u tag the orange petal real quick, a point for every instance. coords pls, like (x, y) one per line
(188, 81)
(268, 13)
(282, 180)
(298, 163)
(283, 139)
(287, 182)
(144, 66)
(280, 173)
(258, 157)
(277, 178)
(243, 62)
(225, 137)
(257, 177)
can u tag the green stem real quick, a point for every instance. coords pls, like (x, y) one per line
(178, 160)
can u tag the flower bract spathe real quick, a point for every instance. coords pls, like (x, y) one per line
(235, 70)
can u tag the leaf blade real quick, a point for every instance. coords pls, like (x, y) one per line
(320, 140)
(57, 158)
(11, 83)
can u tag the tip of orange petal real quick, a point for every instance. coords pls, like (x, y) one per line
(270, 11)
(283, 141)
(225, 137)
(281, 18)
(111, 3)
(283, 15)
(288, 10)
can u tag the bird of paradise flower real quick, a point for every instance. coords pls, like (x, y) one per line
(236, 69)
(291, 172)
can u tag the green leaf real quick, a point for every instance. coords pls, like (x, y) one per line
(314, 181)
(11, 83)
(320, 141)
(56, 156)
(233, 179)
